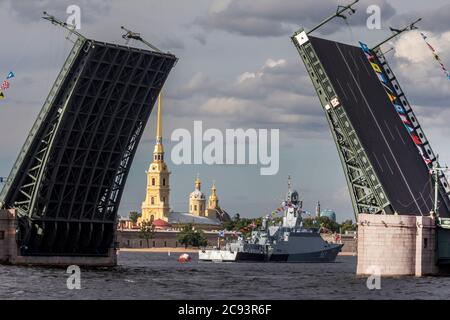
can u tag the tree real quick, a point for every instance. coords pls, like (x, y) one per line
(134, 216)
(147, 231)
(189, 236)
(348, 225)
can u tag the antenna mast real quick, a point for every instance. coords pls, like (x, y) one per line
(397, 32)
(57, 22)
(137, 36)
(339, 13)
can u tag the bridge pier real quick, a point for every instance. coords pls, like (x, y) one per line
(397, 245)
(9, 252)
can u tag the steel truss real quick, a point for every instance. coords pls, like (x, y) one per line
(366, 191)
(68, 180)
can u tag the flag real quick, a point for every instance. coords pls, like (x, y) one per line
(416, 139)
(409, 128)
(436, 57)
(391, 97)
(10, 75)
(2, 96)
(427, 161)
(405, 119)
(222, 234)
(5, 85)
(399, 108)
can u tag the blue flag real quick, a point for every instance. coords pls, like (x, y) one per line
(10, 75)
(399, 108)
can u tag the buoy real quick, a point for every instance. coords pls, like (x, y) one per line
(184, 258)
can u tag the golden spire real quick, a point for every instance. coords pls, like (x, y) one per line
(198, 183)
(214, 190)
(213, 200)
(159, 146)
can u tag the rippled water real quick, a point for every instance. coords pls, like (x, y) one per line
(159, 276)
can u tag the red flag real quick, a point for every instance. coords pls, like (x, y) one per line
(5, 85)
(416, 139)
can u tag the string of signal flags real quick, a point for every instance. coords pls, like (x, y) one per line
(6, 84)
(436, 56)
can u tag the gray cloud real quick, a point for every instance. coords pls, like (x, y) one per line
(171, 43)
(265, 18)
(435, 19)
(277, 95)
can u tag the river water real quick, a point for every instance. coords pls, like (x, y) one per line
(159, 276)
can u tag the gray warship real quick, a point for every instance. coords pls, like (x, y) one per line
(287, 241)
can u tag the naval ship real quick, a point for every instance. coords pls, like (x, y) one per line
(288, 241)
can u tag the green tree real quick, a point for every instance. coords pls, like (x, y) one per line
(134, 216)
(190, 237)
(348, 225)
(147, 231)
(327, 223)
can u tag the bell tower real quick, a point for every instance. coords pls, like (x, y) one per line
(156, 204)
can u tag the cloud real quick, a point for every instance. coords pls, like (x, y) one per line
(171, 43)
(31, 11)
(266, 18)
(416, 67)
(200, 37)
(435, 19)
(276, 95)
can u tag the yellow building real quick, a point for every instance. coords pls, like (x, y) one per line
(197, 200)
(156, 206)
(157, 201)
(213, 203)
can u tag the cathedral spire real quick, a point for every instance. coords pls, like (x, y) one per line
(159, 149)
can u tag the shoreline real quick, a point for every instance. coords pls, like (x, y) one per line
(159, 250)
(191, 250)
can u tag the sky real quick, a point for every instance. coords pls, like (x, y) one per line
(237, 68)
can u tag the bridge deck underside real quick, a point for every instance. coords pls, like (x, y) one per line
(103, 106)
(392, 153)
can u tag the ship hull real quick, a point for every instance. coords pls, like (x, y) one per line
(327, 255)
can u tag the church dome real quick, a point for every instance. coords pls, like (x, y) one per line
(197, 194)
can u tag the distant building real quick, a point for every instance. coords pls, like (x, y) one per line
(330, 214)
(156, 205)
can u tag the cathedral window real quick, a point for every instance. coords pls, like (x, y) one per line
(153, 200)
(164, 182)
(195, 207)
(153, 181)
